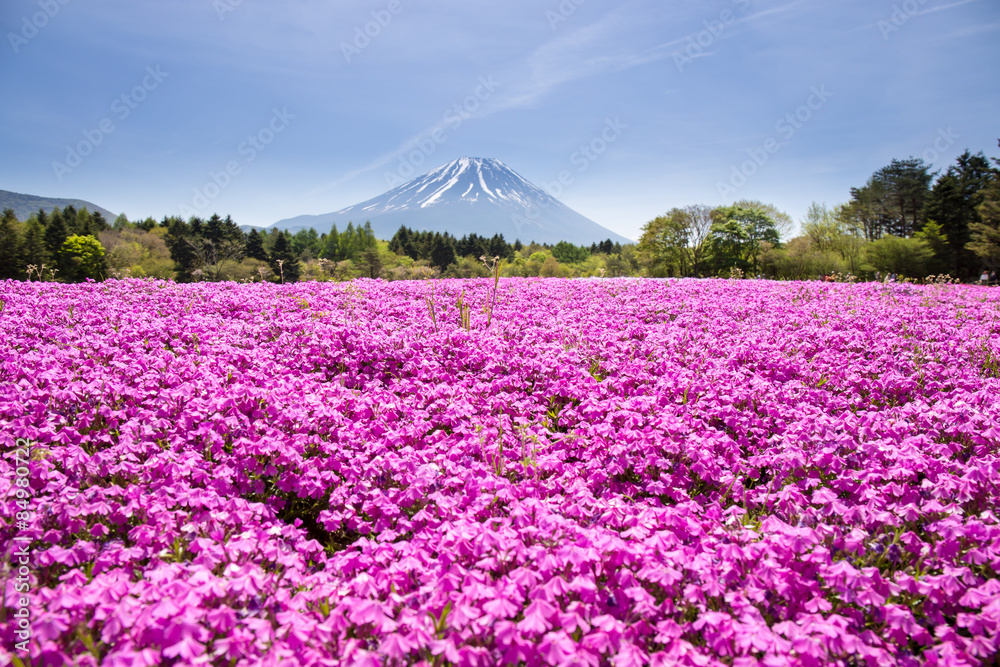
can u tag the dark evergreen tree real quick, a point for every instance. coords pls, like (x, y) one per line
(349, 246)
(892, 201)
(55, 235)
(231, 233)
(255, 247)
(442, 253)
(215, 243)
(423, 243)
(306, 244)
(84, 224)
(368, 239)
(331, 246)
(985, 234)
(10, 247)
(472, 245)
(498, 247)
(182, 251)
(399, 240)
(269, 237)
(98, 222)
(33, 245)
(953, 204)
(908, 183)
(70, 217)
(284, 263)
(213, 232)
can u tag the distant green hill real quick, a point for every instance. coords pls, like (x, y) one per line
(25, 205)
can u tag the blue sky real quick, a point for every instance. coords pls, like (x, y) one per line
(267, 110)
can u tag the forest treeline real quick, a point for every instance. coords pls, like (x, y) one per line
(906, 220)
(69, 246)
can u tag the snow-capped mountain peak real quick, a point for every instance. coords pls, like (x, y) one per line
(469, 195)
(467, 179)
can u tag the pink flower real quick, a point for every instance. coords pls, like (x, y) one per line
(536, 617)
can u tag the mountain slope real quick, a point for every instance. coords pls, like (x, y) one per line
(25, 205)
(469, 195)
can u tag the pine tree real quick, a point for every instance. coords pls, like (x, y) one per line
(331, 246)
(399, 240)
(499, 247)
(305, 244)
(181, 250)
(33, 245)
(442, 252)
(84, 224)
(255, 246)
(284, 264)
(349, 242)
(213, 230)
(56, 234)
(98, 222)
(69, 216)
(367, 237)
(404, 242)
(985, 241)
(906, 184)
(10, 247)
(953, 204)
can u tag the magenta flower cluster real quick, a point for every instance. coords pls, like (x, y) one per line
(612, 472)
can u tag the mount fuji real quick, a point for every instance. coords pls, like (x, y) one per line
(467, 196)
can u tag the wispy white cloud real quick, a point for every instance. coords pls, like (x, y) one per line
(558, 61)
(561, 60)
(920, 12)
(971, 30)
(941, 8)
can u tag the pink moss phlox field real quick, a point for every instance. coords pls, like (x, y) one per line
(614, 472)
